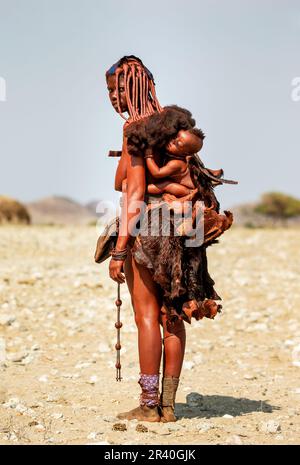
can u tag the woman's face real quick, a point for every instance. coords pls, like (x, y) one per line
(112, 92)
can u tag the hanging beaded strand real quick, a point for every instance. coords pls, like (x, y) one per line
(118, 346)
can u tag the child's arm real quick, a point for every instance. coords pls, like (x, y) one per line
(171, 168)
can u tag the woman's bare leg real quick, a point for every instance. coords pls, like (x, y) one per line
(174, 340)
(146, 304)
(174, 347)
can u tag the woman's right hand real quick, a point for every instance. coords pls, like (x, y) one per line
(116, 271)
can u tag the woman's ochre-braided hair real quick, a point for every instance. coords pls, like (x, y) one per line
(139, 87)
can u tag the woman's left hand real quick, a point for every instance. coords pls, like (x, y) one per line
(116, 271)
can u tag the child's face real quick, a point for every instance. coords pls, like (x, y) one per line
(184, 144)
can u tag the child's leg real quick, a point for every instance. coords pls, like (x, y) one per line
(154, 189)
(168, 187)
(177, 189)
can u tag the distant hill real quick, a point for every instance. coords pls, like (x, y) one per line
(92, 205)
(64, 210)
(246, 215)
(59, 210)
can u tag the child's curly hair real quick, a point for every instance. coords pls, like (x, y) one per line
(157, 130)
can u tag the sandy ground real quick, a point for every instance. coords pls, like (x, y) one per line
(241, 378)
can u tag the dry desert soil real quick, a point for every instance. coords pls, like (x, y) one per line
(240, 382)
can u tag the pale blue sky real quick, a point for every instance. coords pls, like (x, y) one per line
(230, 62)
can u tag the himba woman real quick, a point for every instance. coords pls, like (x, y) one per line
(168, 281)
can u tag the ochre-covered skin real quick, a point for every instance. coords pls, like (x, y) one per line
(132, 92)
(174, 176)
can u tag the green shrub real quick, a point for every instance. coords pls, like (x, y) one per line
(278, 205)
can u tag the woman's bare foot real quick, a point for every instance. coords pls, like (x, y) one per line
(141, 413)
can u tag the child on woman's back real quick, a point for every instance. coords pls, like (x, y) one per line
(174, 177)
